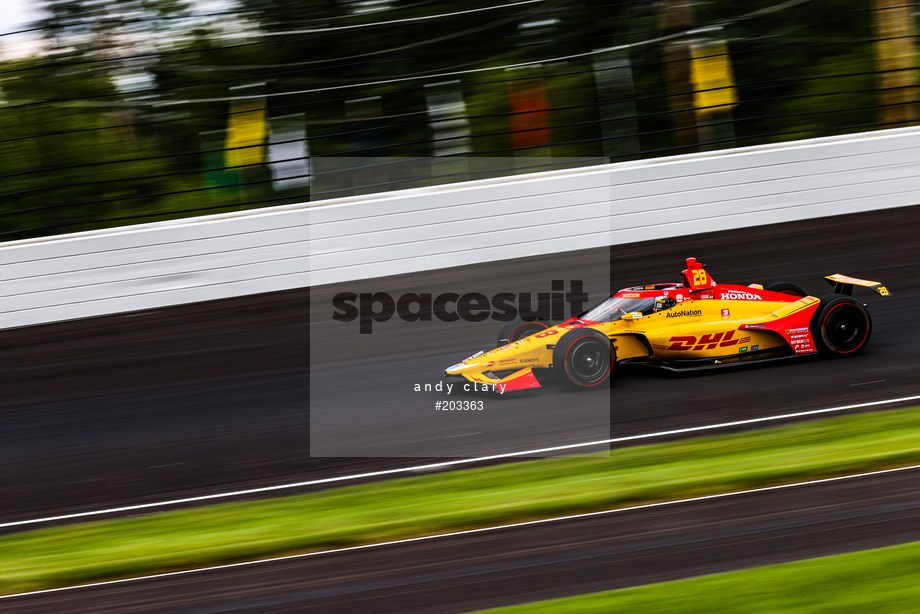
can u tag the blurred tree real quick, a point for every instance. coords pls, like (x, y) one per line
(896, 57)
(127, 108)
(677, 17)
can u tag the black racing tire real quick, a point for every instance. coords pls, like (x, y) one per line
(841, 326)
(583, 358)
(784, 287)
(517, 329)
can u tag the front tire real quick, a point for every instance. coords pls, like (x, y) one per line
(583, 358)
(841, 326)
(517, 329)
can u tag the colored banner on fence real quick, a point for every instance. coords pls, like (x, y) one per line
(448, 117)
(712, 78)
(529, 114)
(216, 177)
(288, 154)
(246, 133)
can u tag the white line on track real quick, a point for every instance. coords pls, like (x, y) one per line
(466, 532)
(452, 463)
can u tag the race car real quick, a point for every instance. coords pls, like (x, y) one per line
(696, 323)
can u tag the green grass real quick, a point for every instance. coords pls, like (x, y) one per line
(458, 500)
(880, 581)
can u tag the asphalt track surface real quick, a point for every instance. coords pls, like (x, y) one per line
(212, 397)
(468, 572)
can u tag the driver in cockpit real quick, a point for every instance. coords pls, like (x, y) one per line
(663, 303)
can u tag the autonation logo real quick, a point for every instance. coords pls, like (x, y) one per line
(685, 313)
(370, 307)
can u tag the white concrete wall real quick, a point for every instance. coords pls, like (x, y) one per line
(169, 263)
(152, 265)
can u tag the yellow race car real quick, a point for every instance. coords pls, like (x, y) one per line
(691, 324)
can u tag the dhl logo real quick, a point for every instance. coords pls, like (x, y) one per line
(706, 342)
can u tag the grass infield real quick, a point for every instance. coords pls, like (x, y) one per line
(437, 503)
(883, 581)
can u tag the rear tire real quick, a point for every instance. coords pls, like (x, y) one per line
(583, 358)
(784, 287)
(841, 326)
(517, 329)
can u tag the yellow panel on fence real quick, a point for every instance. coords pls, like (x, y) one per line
(247, 129)
(713, 82)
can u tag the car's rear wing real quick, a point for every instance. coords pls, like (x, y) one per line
(844, 284)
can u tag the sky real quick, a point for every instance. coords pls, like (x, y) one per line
(16, 15)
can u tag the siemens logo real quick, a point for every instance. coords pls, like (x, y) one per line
(685, 313)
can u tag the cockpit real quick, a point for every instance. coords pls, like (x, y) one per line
(653, 298)
(615, 308)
